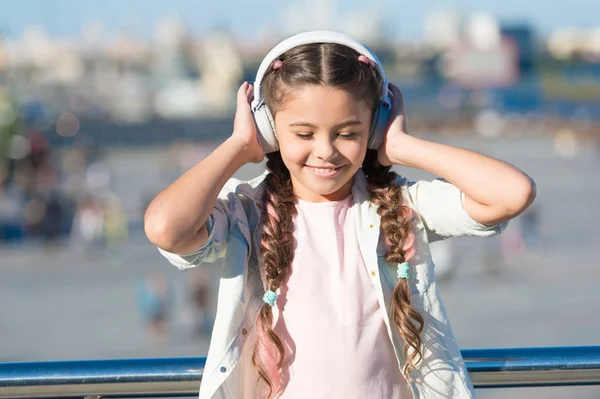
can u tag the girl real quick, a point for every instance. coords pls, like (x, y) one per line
(328, 288)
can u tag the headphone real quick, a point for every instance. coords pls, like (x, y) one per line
(265, 122)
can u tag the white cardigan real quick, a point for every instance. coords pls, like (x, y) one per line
(439, 214)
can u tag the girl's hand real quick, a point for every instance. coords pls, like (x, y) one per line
(244, 127)
(390, 151)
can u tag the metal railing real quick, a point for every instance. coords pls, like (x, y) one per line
(93, 379)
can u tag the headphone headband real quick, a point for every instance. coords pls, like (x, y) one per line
(266, 122)
(321, 36)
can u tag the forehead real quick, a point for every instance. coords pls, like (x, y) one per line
(320, 103)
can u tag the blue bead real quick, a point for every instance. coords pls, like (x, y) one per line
(270, 297)
(403, 270)
(222, 369)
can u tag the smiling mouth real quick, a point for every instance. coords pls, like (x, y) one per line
(324, 172)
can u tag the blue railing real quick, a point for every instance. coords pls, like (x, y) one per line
(93, 379)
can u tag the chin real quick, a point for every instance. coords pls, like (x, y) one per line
(323, 186)
(327, 190)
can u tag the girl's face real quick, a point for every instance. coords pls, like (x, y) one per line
(322, 133)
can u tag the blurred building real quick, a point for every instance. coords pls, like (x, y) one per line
(482, 57)
(522, 36)
(442, 29)
(2, 54)
(123, 79)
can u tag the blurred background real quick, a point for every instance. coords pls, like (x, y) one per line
(103, 104)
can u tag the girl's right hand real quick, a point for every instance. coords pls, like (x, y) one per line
(244, 127)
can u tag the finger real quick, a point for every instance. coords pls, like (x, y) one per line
(396, 97)
(241, 94)
(250, 93)
(395, 91)
(243, 88)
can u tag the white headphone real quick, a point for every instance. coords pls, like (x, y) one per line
(264, 119)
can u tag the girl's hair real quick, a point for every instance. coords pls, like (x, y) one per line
(336, 66)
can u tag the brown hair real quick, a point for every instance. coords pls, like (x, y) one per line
(336, 66)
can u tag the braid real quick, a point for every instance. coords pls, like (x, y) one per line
(397, 235)
(276, 256)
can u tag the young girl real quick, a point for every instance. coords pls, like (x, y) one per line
(328, 287)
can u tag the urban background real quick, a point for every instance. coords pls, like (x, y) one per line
(96, 117)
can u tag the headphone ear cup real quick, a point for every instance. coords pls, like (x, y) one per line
(265, 126)
(379, 126)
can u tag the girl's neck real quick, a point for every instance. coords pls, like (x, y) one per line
(335, 203)
(304, 194)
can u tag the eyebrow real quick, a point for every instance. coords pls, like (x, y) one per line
(351, 122)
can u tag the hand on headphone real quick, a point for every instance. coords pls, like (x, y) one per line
(396, 133)
(244, 128)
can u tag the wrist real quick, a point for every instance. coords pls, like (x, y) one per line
(405, 153)
(239, 150)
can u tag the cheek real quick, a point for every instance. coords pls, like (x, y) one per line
(354, 152)
(293, 154)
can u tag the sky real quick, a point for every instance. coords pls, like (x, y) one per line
(64, 18)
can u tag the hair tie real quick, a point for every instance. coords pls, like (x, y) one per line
(366, 60)
(270, 297)
(277, 64)
(403, 270)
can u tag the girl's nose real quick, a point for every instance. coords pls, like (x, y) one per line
(325, 150)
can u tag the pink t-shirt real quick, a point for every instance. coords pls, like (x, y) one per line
(328, 314)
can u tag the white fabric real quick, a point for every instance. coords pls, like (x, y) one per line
(232, 235)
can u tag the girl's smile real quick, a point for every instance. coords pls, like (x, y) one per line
(325, 172)
(323, 133)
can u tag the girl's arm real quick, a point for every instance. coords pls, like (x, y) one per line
(494, 190)
(175, 219)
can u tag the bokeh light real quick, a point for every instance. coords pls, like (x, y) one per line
(19, 147)
(67, 124)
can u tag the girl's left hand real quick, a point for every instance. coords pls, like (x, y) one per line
(396, 133)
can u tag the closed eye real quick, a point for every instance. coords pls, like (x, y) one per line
(304, 136)
(308, 136)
